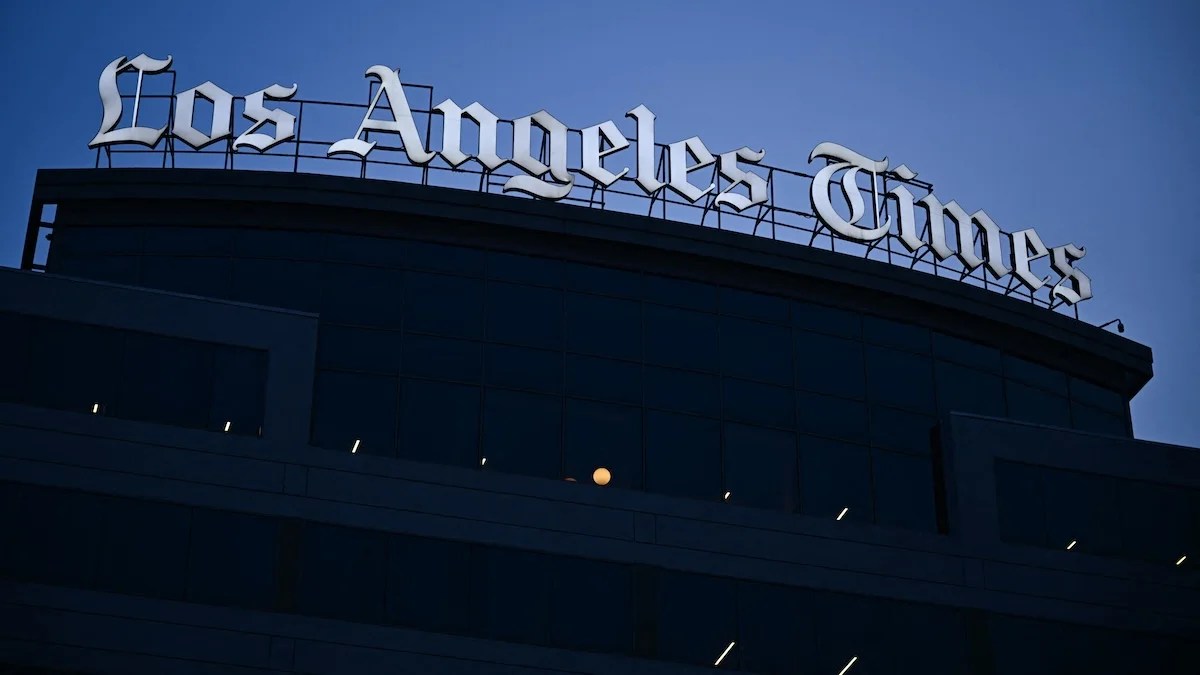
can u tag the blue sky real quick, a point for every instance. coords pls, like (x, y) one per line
(1077, 118)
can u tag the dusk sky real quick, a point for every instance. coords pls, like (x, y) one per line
(1076, 118)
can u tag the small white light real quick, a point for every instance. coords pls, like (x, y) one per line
(483, 462)
(852, 660)
(355, 448)
(722, 656)
(1180, 561)
(727, 493)
(843, 513)
(95, 408)
(227, 423)
(1071, 545)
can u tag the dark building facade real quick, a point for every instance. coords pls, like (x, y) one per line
(274, 423)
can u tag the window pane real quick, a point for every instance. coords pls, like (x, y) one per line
(834, 476)
(697, 617)
(1082, 507)
(205, 277)
(525, 315)
(756, 350)
(440, 423)
(278, 283)
(754, 305)
(1031, 404)
(777, 629)
(680, 293)
(442, 358)
(962, 389)
(342, 573)
(217, 576)
(1036, 375)
(756, 403)
(899, 378)
(73, 366)
(165, 380)
(16, 333)
(682, 390)
(349, 407)
(365, 349)
(605, 326)
(522, 433)
(760, 467)
(902, 430)
(510, 594)
(1086, 418)
(967, 353)
(680, 338)
(897, 334)
(428, 583)
(1020, 503)
(903, 491)
(1109, 401)
(605, 280)
(829, 416)
(239, 388)
(826, 320)
(124, 561)
(60, 546)
(592, 606)
(420, 255)
(361, 295)
(604, 435)
(447, 305)
(591, 377)
(524, 368)
(524, 269)
(683, 455)
(830, 365)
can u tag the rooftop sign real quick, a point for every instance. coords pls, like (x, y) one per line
(539, 156)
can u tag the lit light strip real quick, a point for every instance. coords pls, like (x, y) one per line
(852, 660)
(1180, 561)
(727, 493)
(227, 423)
(95, 408)
(483, 462)
(843, 513)
(355, 448)
(1071, 545)
(722, 656)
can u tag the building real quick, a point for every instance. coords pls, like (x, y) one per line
(265, 422)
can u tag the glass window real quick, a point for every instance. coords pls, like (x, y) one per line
(342, 573)
(776, 624)
(165, 380)
(246, 579)
(73, 366)
(756, 403)
(900, 378)
(524, 269)
(683, 455)
(826, 320)
(1031, 404)
(829, 416)
(897, 334)
(902, 430)
(1086, 418)
(1109, 401)
(524, 368)
(60, 546)
(361, 295)
(522, 433)
(205, 277)
(124, 561)
(697, 617)
(737, 302)
(526, 315)
(604, 435)
(239, 387)
(271, 243)
(356, 248)
(349, 407)
(420, 255)
(591, 377)
(439, 423)
(1156, 521)
(1020, 503)
(16, 331)
(682, 390)
(835, 476)
(680, 293)
(428, 583)
(967, 353)
(510, 594)
(680, 338)
(447, 305)
(605, 326)
(760, 467)
(961, 389)
(756, 351)
(592, 606)
(442, 358)
(278, 283)
(364, 349)
(118, 269)
(904, 491)
(830, 365)
(1082, 507)
(1039, 376)
(208, 241)
(605, 280)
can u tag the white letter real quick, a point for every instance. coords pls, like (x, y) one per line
(1081, 285)
(556, 133)
(645, 149)
(594, 138)
(452, 134)
(819, 191)
(401, 123)
(754, 182)
(221, 124)
(1027, 246)
(110, 97)
(679, 153)
(285, 123)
